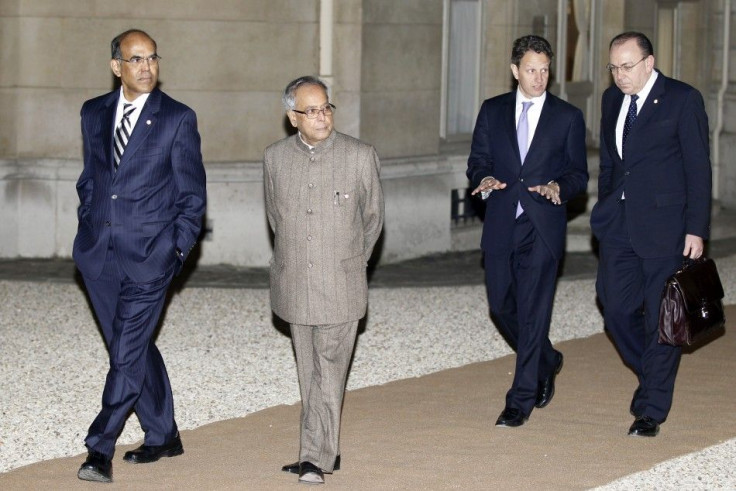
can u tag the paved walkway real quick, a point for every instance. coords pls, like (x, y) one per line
(228, 358)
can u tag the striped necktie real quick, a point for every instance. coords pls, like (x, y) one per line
(122, 133)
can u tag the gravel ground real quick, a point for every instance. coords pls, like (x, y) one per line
(226, 359)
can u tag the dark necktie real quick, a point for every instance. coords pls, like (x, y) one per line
(630, 118)
(122, 133)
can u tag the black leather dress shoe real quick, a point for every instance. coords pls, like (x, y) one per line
(310, 474)
(547, 386)
(644, 426)
(151, 453)
(294, 468)
(97, 468)
(511, 417)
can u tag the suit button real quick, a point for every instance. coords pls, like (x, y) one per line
(521, 179)
(114, 196)
(311, 159)
(107, 224)
(309, 211)
(311, 185)
(310, 265)
(627, 173)
(309, 237)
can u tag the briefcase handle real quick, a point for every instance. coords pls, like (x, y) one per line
(687, 261)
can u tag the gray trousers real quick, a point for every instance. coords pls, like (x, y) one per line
(322, 358)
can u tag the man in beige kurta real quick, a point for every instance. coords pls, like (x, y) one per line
(325, 206)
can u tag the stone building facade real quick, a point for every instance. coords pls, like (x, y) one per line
(407, 76)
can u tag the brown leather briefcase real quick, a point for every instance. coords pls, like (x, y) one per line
(691, 304)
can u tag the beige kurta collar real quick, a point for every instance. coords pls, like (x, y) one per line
(320, 147)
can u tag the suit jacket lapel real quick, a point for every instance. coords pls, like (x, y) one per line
(646, 112)
(545, 119)
(650, 105)
(107, 126)
(510, 123)
(142, 129)
(610, 124)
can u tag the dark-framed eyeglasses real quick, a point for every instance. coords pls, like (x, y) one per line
(313, 112)
(139, 60)
(626, 67)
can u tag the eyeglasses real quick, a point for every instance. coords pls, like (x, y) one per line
(312, 112)
(626, 68)
(139, 60)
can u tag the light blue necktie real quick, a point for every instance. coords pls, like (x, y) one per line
(522, 137)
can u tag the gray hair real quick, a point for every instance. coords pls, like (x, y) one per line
(118, 40)
(289, 97)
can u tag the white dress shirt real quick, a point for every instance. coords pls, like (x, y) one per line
(643, 94)
(139, 102)
(532, 114)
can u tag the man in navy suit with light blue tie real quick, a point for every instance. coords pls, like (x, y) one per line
(528, 158)
(653, 209)
(142, 198)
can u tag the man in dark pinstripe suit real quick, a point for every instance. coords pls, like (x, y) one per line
(142, 197)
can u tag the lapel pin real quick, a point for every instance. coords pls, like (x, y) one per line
(656, 101)
(148, 121)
